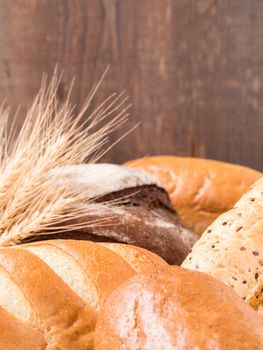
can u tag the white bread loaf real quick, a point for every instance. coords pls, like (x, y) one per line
(231, 249)
(141, 260)
(51, 292)
(200, 189)
(19, 335)
(177, 309)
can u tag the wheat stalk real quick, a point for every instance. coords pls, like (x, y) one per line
(50, 138)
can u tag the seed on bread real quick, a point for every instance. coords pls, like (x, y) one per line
(237, 260)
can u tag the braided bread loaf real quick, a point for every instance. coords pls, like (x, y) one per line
(51, 292)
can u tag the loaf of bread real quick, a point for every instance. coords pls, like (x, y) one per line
(231, 249)
(142, 213)
(200, 189)
(177, 309)
(51, 292)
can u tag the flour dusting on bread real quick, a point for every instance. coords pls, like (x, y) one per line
(103, 178)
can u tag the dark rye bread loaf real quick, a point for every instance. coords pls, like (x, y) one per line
(143, 215)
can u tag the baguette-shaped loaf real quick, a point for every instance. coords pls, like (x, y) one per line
(231, 249)
(177, 309)
(200, 189)
(141, 260)
(51, 292)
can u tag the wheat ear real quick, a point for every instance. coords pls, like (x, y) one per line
(50, 138)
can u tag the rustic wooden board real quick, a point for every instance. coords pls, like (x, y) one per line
(193, 69)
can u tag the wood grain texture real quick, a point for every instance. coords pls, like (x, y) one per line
(193, 69)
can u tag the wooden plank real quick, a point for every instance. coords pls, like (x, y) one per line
(193, 69)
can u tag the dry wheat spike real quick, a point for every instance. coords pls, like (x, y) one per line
(51, 137)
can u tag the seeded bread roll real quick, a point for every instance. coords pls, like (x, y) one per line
(177, 309)
(51, 292)
(143, 216)
(200, 189)
(231, 249)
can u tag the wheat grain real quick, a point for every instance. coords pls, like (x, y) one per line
(51, 137)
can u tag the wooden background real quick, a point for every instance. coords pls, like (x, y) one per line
(193, 68)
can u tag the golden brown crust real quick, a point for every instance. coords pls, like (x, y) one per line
(97, 261)
(200, 189)
(19, 335)
(141, 260)
(177, 309)
(65, 320)
(51, 278)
